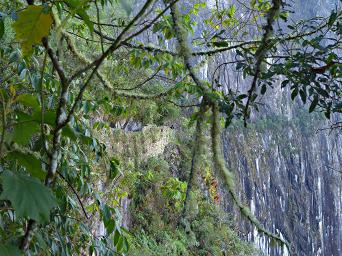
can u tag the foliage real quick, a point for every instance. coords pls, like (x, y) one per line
(32, 25)
(28, 197)
(156, 229)
(71, 69)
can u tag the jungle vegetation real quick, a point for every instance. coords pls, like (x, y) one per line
(71, 69)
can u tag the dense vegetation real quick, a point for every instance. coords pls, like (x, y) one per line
(76, 74)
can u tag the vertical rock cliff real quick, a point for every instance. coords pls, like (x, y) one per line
(291, 178)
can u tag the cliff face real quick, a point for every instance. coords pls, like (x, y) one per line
(289, 173)
(291, 178)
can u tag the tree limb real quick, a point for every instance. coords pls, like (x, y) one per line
(196, 152)
(261, 52)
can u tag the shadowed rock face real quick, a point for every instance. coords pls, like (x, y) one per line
(291, 180)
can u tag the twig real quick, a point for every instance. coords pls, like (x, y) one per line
(42, 102)
(142, 83)
(112, 48)
(75, 192)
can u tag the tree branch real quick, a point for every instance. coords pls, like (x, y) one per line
(112, 48)
(261, 52)
(196, 152)
(75, 192)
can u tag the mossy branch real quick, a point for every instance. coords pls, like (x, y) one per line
(196, 153)
(229, 177)
(184, 49)
(261, 52)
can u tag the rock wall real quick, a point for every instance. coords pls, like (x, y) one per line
(291, 178)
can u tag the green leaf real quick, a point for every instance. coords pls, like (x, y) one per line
(313, 104)
(284, 83)
(263, 89)
(117, 237)
(125, 244)
(302, 95)
(327, 113)
(32, 25)
(50, 119)
(2, 28)
(332, 18)
(24, 129)
(28, 100)
(29, 197)
(30, 162)
(9, 250)
(322, 92)
(220, 44)
(78, 7)
(294, 93)
(114, 168)
(119, 245)
(69, 132)
(110, 225)
(231, 11)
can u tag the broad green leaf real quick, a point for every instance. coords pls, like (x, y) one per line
(29, 197)
(263, 89)
(30, 162)
(125, 244)
(119, 245)
(220, 44)
(50, 119)
(284, 83)
(116, 237)
(322, 92)
(294, 93)
(110, 225)
(313, 104)
(32, 25)
(302, 95)
(327, 113)
(28, 100)
(332, 18)
(69, 132)
(24, 129)
(231, 11)
(9, 250)
(114, 168)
